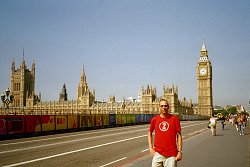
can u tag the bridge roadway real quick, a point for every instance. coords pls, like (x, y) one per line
(119, 146)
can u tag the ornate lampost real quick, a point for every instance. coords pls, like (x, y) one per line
(7, 98)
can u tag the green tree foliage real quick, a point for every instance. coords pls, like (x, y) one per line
(215, 112)
(232, 110)
(224, 112)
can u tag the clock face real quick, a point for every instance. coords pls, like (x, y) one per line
(203, 71)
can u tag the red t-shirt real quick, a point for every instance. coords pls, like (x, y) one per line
(165, 134)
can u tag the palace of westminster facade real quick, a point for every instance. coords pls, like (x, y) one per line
(22, 87)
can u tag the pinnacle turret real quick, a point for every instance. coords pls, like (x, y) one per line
(203, 48)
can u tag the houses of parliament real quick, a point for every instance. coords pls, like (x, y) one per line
(22, 87)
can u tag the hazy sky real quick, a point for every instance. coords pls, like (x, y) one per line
(124, 44)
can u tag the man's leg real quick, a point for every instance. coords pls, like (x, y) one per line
(157, 160)
(170, 162)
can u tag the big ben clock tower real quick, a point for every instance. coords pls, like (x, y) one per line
(204, 78)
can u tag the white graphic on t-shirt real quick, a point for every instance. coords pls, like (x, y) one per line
(164, 126)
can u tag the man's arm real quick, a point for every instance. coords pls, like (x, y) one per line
(179, 142)
(150, 143)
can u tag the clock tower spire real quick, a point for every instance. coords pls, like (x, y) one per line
(204, 78)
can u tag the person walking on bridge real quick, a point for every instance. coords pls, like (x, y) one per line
(241, 123)
(212, 124)
(167, 130)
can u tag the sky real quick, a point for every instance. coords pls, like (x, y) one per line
(126, 44)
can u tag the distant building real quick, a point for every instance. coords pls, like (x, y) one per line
(148, 102)
(85, 103)
(204, 78)
(23, 84)
(240, 108)
(63, 96)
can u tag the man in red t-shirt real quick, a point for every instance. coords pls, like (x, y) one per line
(167, 133)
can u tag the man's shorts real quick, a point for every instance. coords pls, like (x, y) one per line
(162, 161)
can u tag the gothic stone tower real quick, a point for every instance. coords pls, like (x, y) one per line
(148, 97)
(22, 84)
(63, 96)
(204, 78)
(83, 93)
(171, 94)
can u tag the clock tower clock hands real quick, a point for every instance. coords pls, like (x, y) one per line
(203, 71)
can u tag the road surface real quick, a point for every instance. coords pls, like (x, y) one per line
(119, 146)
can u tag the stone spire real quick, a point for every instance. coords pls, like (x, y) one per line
(23, 61)
(83, 76)
(13, 66)
(203, 53)
(203, 48)
(83, 86)
(63, 96)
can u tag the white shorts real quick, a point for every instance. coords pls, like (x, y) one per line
(162, 161)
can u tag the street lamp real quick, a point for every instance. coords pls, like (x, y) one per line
(7, 98)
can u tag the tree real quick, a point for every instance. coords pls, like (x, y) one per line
(224, 112)
(215, 112)
(232, 110)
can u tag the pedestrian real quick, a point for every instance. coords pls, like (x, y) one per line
(212, 124)
(167, 136)
(245, 120)
(240, 121)
(223, 122)
(230, 119)
(236, 122)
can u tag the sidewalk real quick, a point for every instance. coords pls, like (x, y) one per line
(226, 149)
